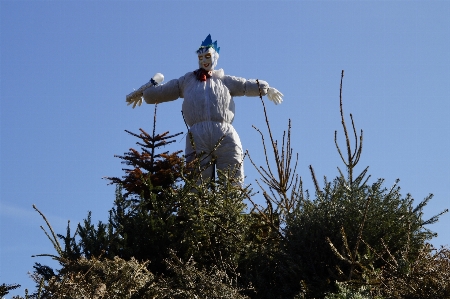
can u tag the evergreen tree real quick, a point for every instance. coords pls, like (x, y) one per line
(340, 234)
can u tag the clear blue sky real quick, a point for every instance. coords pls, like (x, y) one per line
(66, 67)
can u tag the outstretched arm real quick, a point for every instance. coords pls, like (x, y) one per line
(242, 87)
(155, 94)
(163, 93)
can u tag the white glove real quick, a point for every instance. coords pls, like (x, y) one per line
(274, 95)
(135, 97)
(136, 101)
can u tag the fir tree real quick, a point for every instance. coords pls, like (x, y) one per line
(334, 237)
(159, 169)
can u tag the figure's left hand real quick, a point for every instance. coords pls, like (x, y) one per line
(274, 95)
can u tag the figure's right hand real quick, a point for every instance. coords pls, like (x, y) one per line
(136, 101)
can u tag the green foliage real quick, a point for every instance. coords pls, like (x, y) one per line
(130, 279)
(172, 235)
(159, 169)
(5, 288)
(346, 231)
(424, 275)
(342, 220)
(93, 278)
(205, 223)
(344, 292)
(190, 282)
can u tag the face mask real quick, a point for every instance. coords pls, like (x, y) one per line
(205, 61)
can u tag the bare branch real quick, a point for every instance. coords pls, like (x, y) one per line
(352, 158)
(339, 149)
(316, 184)
(55, 239)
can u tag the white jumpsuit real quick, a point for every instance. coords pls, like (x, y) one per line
(208, 109)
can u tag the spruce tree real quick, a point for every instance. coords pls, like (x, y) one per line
(341, 233)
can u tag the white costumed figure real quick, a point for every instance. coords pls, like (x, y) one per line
(208, 108)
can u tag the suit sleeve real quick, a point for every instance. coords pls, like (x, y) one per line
(242, 87)
(170, 91)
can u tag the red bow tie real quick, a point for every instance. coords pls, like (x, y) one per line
(202, 75)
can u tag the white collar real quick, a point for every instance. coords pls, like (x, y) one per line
(218, 73)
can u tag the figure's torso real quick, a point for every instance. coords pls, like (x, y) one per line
(208, 100)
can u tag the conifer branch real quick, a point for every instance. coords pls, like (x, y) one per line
(339, 149)
(284, 178)
(343, 120)
(269, 173)
(316, 184)
(54, 239)
(352, 157)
